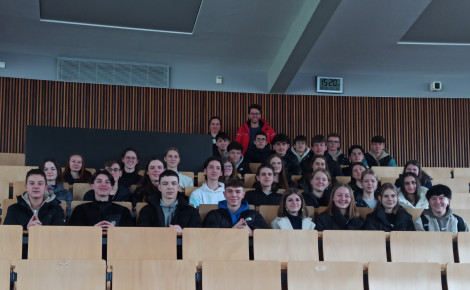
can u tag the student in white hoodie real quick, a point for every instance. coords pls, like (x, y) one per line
(212, 191)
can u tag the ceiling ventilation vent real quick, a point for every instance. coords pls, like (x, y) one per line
(113, 73)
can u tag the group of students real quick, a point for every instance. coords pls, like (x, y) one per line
(162, 183)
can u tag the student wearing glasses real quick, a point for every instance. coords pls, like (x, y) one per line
(130, 162)
(333, 149)
(261, 151)
(120, 192)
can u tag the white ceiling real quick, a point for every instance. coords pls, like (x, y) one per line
(271, 37)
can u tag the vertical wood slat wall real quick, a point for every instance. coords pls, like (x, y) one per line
(434, 131)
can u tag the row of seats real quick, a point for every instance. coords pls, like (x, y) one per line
(164, 274)
(63, 242)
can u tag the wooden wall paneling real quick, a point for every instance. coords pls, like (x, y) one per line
(434, 131)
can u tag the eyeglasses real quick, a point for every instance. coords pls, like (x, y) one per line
(255, 114)
(333, 141)
(356, 154)
(260, 139)
(228, 166)
(113, 169)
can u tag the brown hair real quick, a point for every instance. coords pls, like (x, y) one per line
(382, 190)
(84, 175)
(282, 175)
(351, 211)
(282, 212)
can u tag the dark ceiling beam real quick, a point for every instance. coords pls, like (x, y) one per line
(303, 34)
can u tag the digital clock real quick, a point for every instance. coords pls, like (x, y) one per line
(329, 85)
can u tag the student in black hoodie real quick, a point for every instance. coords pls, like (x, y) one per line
(101, 212)
(389, 215)
(171, 209)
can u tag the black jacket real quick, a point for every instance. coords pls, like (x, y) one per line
(337, 222)
(185, 215)
(257, 197)
(220, 218)
(50, 213)
(378, 221)
(291, 164)
(91, 213)
(342, 160)
(311, 199)
(70, 180)
(123, 194)
(128, 179)
(244, 167)
(255, 155)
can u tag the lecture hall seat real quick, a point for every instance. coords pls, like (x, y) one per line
(64, 242)
(236, 275)
(154, 274)
(426, 247)
(301, 275)
(457, 276)
(61, 274)
(354, 246)
(201, 244)
(141, 243)
(400, 275)
(11, 241)
(285, 245)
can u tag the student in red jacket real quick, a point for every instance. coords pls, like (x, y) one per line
(246, 134)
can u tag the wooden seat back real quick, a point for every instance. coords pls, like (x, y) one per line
(254, 167)
(387, 171)
(201, 244)
(426, 247)
(398, 276)
(5, 269)
(285, 245)
(79, 190)
(462, 172)
(141, 243)
(455, 184)
(60, 274)
(64, 242)
(249, 180)
(354, 246)
(11, 241)
(457, 276)
(18, 188)
(301, 275)
(12, 159)
(4, 190)
(463, 244)
(343, 179)
(14, 173)
(236, 275)
(153, 274)
(438, 172)
(5, 205)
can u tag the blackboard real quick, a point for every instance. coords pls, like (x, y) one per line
(99, 146)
